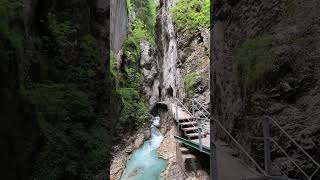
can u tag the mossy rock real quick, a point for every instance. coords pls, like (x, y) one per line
(254, 60)
(191, 80)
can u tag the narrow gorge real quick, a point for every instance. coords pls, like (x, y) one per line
(171, 62)
(159, 89)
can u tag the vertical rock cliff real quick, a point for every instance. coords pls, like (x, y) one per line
(118, 24)
(56, 90)
(159, 64)
(264, 62)
(176, 59)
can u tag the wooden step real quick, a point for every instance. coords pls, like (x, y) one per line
(188, 156)
(190, 129)
(188, 123)
(184, 118)
(192, 135)
(184, 150)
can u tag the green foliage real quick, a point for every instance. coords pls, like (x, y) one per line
(142, 26)
(129, 6)
(60, 100)
(191, 15)
(128, 79)
(113, 64)
(89, 51)
(129, 83)
(139, 31)
(68, 108)
(134, 112)
(89, 65)
(11, 42)
(10, 9)
(255, 59)
(131, 48)
(145, 11)
(60, 30)
(190, 80)
(75, 146)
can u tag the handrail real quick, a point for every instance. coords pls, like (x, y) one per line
(182, 105)
(224, 129)
(178, 101)
(201, 106)
(205, 119)
(292, 140)
(285, 153)
(199, 110)
(307, 154)
(192, 144)
(241, 148)
(202, 110)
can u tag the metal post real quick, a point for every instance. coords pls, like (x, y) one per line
(267, 151)
(213, 162)
(177, 116)
(213, 154)
(199, 126)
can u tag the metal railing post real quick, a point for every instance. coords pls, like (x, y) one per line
(267, 151)
(199, 125)
(177, 118)
(213, 152)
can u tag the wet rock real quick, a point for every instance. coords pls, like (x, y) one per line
(138, 141)
(147, 134)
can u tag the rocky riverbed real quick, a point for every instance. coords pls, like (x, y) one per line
(122, 152)
(167, 151)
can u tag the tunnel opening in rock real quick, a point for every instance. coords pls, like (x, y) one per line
(169, 92)
(159, 89)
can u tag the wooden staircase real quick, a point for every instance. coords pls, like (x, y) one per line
(187, 124)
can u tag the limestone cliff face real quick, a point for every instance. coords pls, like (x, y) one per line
(150, 70)
(175, 56)
(159, 65)
(193, 63)
(288, 89)
(118, 24)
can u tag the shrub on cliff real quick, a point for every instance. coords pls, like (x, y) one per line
(190, 80)
(74, 145)
(191, 15)
(145, 10)
(134, 113)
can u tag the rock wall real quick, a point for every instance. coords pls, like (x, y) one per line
(150, 70)
(118, 24)
(193, 61)
(284, 37)
(29, 63)
(169, 146)
(161, 76)
(175, 56)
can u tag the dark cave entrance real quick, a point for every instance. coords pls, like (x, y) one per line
(169, 92)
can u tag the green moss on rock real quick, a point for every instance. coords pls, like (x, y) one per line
(190, 80)
(254, 60)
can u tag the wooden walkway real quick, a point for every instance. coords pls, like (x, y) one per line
(229, 167)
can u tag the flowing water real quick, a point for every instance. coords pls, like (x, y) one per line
(144, 163)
